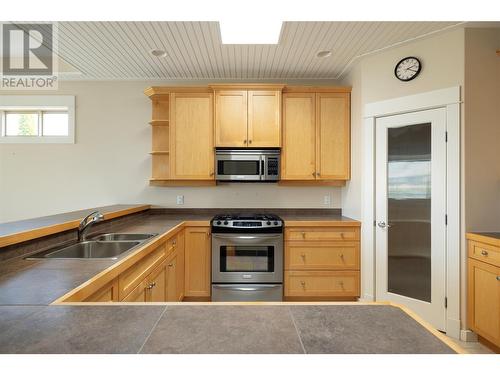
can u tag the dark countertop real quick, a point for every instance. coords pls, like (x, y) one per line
(28, 325)
(22, 230)
(294, 329)
(492, 238)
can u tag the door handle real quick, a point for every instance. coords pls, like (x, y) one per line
(382, 224)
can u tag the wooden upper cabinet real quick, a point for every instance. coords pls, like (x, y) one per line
(264, 123)
(299, 137)
(316, 136)
(333, 136)
(231, 118)
(191, 136)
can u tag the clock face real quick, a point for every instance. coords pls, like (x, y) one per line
(408, 68)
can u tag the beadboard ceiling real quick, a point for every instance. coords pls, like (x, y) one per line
(121, 50)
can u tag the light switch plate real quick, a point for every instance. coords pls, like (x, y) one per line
(180, 199)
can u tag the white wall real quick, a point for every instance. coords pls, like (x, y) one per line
(110, 164)
(372, 79)
(482, 116)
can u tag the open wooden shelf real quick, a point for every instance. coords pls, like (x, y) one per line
(159, 122)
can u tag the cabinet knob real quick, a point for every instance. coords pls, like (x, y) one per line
(211, 174)
(250, 141)
(171, 265)
(318, 174)
(342, 256)
(303, 283)
(313, 174)
(303, 255)
(341, 283)
(303, 234)
(174, 242)
(245, 141)
(484, 253)
(498, 278)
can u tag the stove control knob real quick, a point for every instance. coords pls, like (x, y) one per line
(226, 223)
(268, 223)
(275, 223)
(218, 222)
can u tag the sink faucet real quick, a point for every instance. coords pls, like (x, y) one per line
(87, 221)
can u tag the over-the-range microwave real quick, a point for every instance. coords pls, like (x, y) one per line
(247, 165)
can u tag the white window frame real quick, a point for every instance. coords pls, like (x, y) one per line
(38, 103)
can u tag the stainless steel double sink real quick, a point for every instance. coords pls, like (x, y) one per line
(104, 246)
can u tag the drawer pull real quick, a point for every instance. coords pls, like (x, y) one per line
(303, 234)
(341, 283)
(498, 278)
(342, 256)
(303, 255)
(303, 283)
(151, 286)
(171, 265)
(174, 242)
(484, 253)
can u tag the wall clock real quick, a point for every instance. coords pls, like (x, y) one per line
(408, 68)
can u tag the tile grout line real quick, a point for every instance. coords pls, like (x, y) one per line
(152, 329)
(297, 330)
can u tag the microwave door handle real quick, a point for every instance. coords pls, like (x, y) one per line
(262, 170)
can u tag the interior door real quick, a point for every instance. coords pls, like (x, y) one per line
(410, 212)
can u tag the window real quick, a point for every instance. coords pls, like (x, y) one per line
(37, 119)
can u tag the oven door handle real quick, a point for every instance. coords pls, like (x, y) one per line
(260, 237)
(245, 289)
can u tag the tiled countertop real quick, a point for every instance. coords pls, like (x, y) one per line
(28, 324)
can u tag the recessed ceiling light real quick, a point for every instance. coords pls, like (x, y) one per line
(250, 32)
(323, 54)
(158, 53)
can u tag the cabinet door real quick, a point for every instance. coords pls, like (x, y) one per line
(138, 294)
(299, 137)
(231, 118)
(191, 143)
(264, 125)
(172, 279)
(108, 293)
(484, 300)
(157, 284)
(198, 262)
(180, 266)
(333, 136)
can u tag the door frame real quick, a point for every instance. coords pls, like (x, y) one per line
(449, 99)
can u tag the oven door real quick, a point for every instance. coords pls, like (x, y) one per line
(247, 258)
(231, 167)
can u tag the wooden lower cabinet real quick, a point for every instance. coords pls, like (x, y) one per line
(138, 294)
(322, 284)
(484, 300)
(322, 263)
(156, 288)
(108, 293)
(197, 262)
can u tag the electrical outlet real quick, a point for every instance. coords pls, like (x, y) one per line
(180, 199)
(327, 200)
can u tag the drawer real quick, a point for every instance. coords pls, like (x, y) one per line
(322, 283)
(485, 253)
(128, 279)
(322, 234)
(308, 255)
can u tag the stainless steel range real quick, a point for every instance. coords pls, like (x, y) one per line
(247, 258)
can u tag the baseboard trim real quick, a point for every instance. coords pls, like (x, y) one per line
(467, 335)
